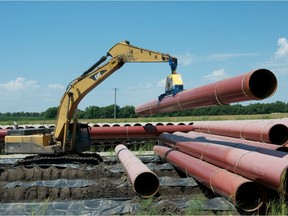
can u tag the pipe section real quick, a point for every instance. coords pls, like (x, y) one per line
(264, 169)
(244, 193)
(145, 182)
(258, 130)
(264, 148)
(255, 85)
(128, 132)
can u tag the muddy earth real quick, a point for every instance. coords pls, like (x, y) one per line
(101, 189)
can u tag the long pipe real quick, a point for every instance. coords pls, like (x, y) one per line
(267, 170)
(244, 193)
(129, 132)
(257, 130)
(264, 148)
(255, 85)
(145, 182)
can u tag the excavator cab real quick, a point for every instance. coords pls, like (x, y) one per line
(82, 138)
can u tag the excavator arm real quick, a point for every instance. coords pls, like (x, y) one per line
(119, 54)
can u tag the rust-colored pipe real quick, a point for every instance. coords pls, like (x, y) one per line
(267, 170)
(264, 148)
(144, 181)
(129, 132)
(3, 133)
(257, 130)
(244, 193)
(255, 85)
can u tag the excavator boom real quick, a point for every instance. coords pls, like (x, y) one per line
(68, 134)
(80, 87)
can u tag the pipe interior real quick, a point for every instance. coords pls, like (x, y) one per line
(278, 134)
(262, 83)
(249, 197)
(146, 184)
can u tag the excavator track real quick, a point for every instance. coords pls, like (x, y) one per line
(91, 159)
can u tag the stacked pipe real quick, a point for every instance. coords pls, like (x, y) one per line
(129, 132)
(244, 193)
(255, 85)
(270, 149)
(258, 130)
(264, 169)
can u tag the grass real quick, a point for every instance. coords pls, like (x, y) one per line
(147, 207)
(278, 205)
(42, 208)
(150, 119)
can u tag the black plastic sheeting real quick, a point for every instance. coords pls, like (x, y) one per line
(153, 167)
(59, 183)
(104, 207)
(78, 183)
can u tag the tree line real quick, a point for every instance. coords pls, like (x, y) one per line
(95, 112)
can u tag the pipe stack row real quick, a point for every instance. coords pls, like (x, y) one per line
(239, 171)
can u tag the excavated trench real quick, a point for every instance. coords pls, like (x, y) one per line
(104, 188)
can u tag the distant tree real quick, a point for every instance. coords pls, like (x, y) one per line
(81, 114)
(108, 111)
(50, 112)
(127, 112)
(92, 112)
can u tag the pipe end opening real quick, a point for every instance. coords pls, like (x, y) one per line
(249, 197)
(146, 184)
(263, 83)
(278, 134)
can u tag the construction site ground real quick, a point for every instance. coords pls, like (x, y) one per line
(81, 189)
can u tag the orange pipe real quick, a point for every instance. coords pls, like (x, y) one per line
(264, 148)
(145, 182)
(255, 85)
(267, 170)
(244, 193)
(129, 132)
(257, 130)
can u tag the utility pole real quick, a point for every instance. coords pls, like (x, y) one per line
(115, 94)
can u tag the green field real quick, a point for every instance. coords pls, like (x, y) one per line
(35, 120)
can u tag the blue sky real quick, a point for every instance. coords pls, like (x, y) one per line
(45, 45)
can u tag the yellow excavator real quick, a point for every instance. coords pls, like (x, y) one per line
(69, 135)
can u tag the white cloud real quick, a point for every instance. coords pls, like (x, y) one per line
(216, 75)
(282, 51)
(56, 86)
(278, 62)
(20, 83)
(186, 59)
